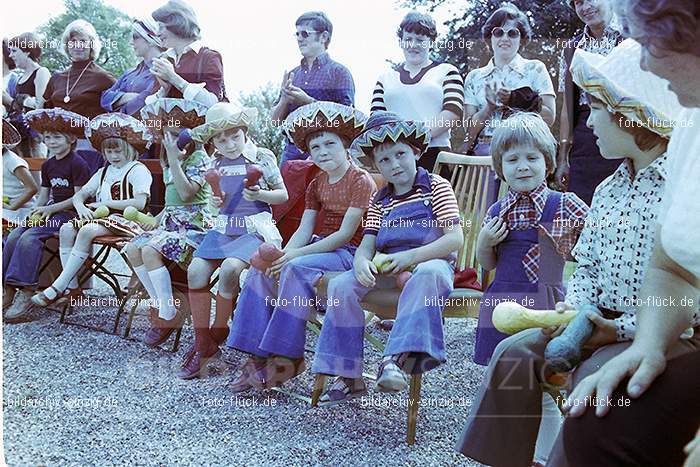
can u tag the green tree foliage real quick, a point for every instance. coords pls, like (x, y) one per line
(112, 26)
(552, 21)
(264, 133)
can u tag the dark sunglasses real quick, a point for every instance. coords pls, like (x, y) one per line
(500, 32)
(305, 34)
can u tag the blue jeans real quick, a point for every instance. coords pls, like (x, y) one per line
(24, 248)
(417, 330)
(264, 325)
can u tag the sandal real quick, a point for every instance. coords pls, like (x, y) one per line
(391, 378)
(40, 299)
(342, 390)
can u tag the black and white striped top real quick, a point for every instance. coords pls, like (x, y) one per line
(435, 88)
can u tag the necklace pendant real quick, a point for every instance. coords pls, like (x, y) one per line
(66, 99)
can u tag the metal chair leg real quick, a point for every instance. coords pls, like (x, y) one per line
(319, 385)
(413, 404)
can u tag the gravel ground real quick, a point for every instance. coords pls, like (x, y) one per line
(75, 396)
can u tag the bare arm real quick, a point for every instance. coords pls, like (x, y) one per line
(303, 233)
(549, 109)
(30, 188)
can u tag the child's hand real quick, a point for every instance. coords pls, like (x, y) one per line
(252, 194)
(554, 331)
(42, 211)
(95, 205)
(173, 152)
(148, 227)
(365, 272)
(217, 202)
(278, 264)
(83, 212)
(604, 332)
(494, 232)
(396, 263)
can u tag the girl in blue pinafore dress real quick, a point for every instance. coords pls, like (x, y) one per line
(512, 282)
(243, 224)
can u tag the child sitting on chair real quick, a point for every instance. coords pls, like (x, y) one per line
(18, 185)
(181, 225)
(62, 175)
(272, 328)
(415, 222)
(124, 182)
(244, 223)
(632, 114)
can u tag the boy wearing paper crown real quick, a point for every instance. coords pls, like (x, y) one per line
(244, 223)
(62, 175)
(124, 182)
(275, 335)
(414, 221)
(632, 114)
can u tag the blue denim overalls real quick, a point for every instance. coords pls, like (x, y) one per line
(511, 281)
(418, 326)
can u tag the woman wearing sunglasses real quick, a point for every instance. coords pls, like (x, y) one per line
(507, 83)
(127, 95)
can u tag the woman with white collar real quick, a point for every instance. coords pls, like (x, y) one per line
(187, 69)
(508, 82)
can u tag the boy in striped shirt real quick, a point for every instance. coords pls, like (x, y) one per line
(412, 225)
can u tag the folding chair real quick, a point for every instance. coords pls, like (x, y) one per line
(470, 178)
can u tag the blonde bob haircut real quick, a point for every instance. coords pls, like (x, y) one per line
(80, 26)
(114, 143)
(523, 129)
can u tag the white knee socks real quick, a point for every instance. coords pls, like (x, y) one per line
(164, 291)
(549, 428)
(75, 261)
(142, 274)
(64, 252)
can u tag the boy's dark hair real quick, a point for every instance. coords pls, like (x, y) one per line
(318, 22)
(418, 23)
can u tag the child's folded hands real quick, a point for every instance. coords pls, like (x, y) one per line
(252, 194)
(494, 232)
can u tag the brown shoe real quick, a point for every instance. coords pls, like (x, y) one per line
(195, 363)
(161, 329)
(244, 381)
(278, 371)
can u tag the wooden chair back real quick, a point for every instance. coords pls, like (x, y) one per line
(471, 178)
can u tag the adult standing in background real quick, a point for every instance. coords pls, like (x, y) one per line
(580, 167)
(508, 82)
(25, 51)
(79, 87)
(187, 70)
(317, 78)
(420, 89)
(127, 95)
(9, 77)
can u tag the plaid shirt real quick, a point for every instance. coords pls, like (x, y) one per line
(523, 211)
(324, 80)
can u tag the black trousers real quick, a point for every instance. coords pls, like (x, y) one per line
(651, 431)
